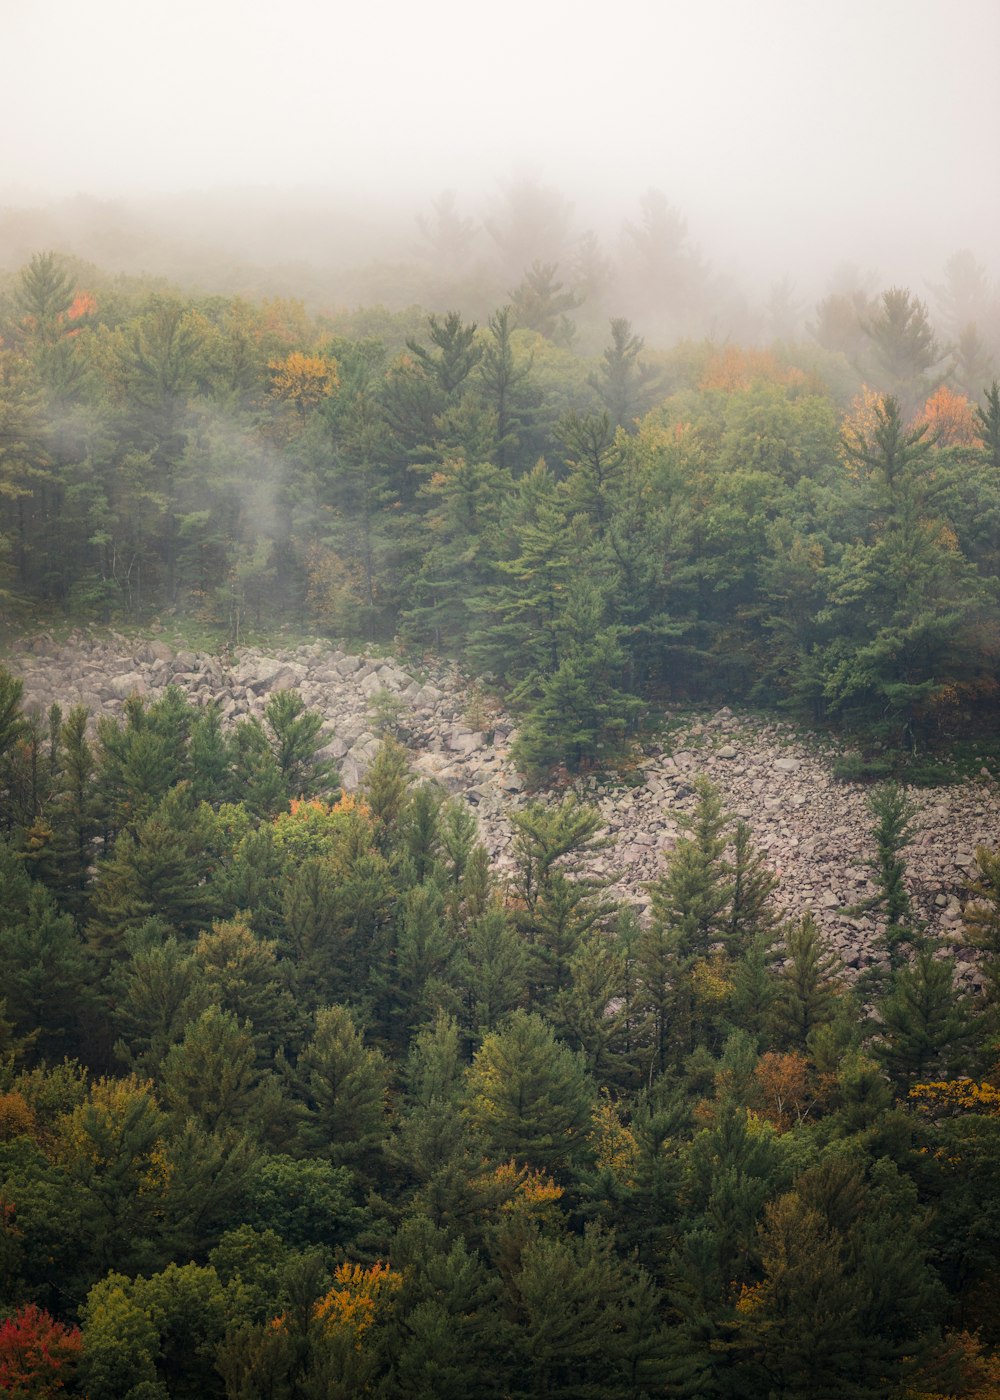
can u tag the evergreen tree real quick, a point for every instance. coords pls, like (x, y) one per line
(905, 345)
(157, 993)
(988, 419)
(626, 385)
(981, 915)
(212, 1076)
(926, 1027)
(583, 1323)
(692, 899)
(505, 387)
(241, 974)
(343, 1087)
(594, 467)
(530, 1096)
(808, 985)
(160, 867)
(74, 812)
(893, 812)
(497, 968)
(43, 965)
(455, 352)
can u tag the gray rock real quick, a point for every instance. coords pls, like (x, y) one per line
(121, 687)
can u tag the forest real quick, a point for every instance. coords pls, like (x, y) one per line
(812, 525)
(298, 1096)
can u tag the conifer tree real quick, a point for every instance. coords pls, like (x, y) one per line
(343, 1088)
(212, 1075)
(694, 896)
(927, 1030)
(74, 812)
(157, 992)
(808, 985)
(496, 968)
(530, 1096)
(893, 812)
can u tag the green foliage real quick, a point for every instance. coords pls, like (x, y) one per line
(597, 1152)
(530, 1096)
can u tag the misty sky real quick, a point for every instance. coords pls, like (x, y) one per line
(864, 125)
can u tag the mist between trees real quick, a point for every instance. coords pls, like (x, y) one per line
(813, 524)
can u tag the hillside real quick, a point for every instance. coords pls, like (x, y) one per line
(814, 829)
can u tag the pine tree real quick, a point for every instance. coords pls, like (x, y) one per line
(988, 418)
(160, 867)
(212, 1075)
(693, 898)
(530, 1096)
(44, 969)
(981, 915)
(74, 812)
(808, 985)
(751, 914)
(893, 812)
(927, 1030)
(496, 969)
(626, 385)
(594, 462)
(505, 387)
(156, 994)
(343, 1086)
(295, 739)
(454, 356)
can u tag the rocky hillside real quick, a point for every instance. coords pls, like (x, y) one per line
(813, 828)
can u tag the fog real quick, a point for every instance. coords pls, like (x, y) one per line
(791, 136)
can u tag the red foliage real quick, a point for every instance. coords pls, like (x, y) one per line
(36, 1353)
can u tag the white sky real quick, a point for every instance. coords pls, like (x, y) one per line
(774, 124)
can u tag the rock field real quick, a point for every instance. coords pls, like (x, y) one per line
(813, 828)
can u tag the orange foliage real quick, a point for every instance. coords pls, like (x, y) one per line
(733, 369)
(951, 419)
(357, 1296)
(783, 1095)
(84, 304)
(978, 1371)
(17, 1117)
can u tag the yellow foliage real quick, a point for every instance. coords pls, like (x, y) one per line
(711, 982)
(749, 1299)
(357, 1297)
(615, 1147)
(519, 1190)
(948, 1097)
(857, 432)
(537, 1189)
(303, 380)
(97, 1131)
